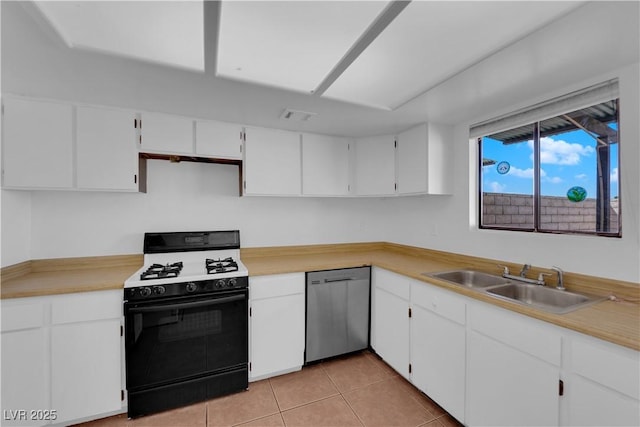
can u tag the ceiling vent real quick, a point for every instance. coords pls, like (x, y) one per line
(296, 115)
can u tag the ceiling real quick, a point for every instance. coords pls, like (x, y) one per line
(371, 53)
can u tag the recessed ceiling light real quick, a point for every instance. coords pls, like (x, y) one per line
(289, 44)
(166, 32)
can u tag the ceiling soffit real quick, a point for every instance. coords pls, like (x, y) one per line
(372, 53)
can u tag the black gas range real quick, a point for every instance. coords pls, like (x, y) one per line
(186, 324)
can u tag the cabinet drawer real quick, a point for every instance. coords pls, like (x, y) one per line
(607, 364)
(16, 317)
(439, 302)
(276, 285)
(521, 332)
(393, 283)
(86, 306)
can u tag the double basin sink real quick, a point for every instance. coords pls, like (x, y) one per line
(536, 296)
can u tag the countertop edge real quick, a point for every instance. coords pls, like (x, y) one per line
(268, 261)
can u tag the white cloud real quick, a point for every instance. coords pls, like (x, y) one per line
(496, 187)
(553, 180)
(528, 174)
(581, 176)
(550, 179)
(614, 175)
(559, 152)
(521, 173)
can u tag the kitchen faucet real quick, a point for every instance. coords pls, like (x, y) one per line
(522, 277)
(560, 273)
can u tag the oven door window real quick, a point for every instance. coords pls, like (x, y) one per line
(185, 338)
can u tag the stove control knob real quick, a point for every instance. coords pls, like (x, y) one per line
(159, 290)
(145, 292)
(191, 287)
(220, 284)
(232, 283)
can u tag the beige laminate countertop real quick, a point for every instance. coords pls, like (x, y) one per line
(617, 322)
(68, 275)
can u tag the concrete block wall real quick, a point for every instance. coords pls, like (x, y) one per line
(557, 213)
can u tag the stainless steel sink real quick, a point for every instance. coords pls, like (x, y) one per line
(536, 296)
(469, 278)
(541, 297)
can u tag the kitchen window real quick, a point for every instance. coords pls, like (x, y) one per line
(554, 167)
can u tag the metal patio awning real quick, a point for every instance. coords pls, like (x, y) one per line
(594, 120)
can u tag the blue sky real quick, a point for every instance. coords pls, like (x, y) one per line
(567, 160)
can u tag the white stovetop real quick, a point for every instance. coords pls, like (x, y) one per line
(194, 267)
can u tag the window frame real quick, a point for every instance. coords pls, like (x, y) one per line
(536, 189)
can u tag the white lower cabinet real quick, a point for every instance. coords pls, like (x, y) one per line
(438, 346)
(61, 357)
(85, 354)
(602, 385)
(486, 365)
(24, 363)
(420, 332)
(513, 369)
(390, 318)
(277, 320)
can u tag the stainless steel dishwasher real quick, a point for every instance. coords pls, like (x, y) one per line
(337, 312)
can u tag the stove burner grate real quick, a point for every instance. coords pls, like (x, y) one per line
(159, 271)
(221, 265)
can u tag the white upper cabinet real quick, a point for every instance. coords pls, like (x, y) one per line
(167, 134)
(37, 144)
(440, 159)
(107, 156)
(412, 160)
(375, 166)
(325, 165)
(219, 139)
(424, 160)
(272, 164)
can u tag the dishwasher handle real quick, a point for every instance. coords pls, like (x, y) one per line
(339, 279)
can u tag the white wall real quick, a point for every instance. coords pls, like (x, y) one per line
(16, 227)
(191, 196)
(453, 218)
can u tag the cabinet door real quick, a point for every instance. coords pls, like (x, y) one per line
(272, 162)
(218, 139)
(85, 361)
(592, 404)
(391, 320)
(107, 156)
(325, 165)
(24, 376)
(37, 144)
(440, 159)
(507, 387)
(375, 166)
(412, 160)
(164, 133)
(438, 359)
(277, 335)
(602, 396)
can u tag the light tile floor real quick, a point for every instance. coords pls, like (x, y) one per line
(355, 390)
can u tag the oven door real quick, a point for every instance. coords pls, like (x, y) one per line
(184, 338)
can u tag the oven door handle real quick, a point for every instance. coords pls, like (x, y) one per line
(186, 305)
